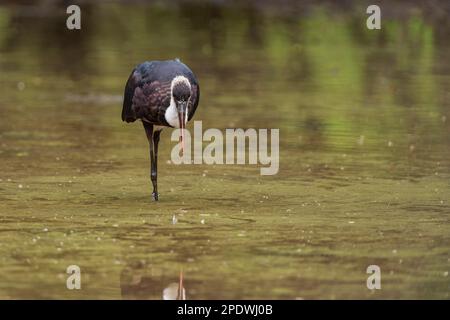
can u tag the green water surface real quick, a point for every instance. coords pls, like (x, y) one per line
(364, 179)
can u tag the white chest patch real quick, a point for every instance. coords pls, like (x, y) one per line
(171, 114)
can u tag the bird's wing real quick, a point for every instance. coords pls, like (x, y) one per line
(145, 98)
(132, 83)
(151, 100)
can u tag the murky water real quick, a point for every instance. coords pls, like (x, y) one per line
(364, 119)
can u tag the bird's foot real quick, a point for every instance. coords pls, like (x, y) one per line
(155, 196)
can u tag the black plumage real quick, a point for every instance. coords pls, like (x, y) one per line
(149, 92)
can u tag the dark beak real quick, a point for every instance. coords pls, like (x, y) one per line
(181, 108)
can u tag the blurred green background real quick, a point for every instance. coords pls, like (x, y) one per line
(364, 151)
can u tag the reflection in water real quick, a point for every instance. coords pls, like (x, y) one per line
(175, 291)
(364, 155)
(139, 282)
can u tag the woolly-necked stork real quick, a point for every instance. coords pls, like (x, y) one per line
(161, 94)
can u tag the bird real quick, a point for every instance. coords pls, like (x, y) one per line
(162, 94)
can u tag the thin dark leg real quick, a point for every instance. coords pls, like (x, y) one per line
(154, 176)
(153, 170)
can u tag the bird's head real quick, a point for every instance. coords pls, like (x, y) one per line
(181, 93)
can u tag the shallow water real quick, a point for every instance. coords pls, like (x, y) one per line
(364, 119)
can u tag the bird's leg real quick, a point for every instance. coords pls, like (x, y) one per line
(153, 171)
(156, 135)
